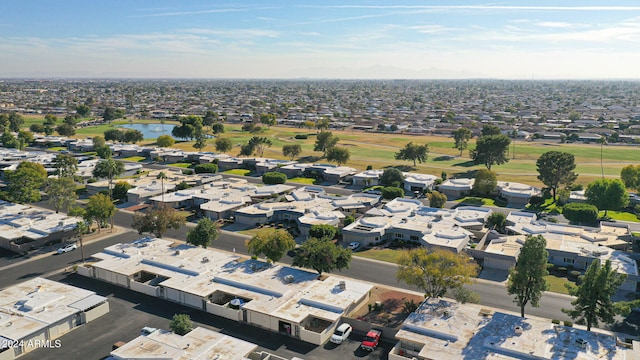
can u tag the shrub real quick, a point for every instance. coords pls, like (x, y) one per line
(91, 180)
(568, 323)
(392, 192)
(437, 199)
(206, 168)
(563, 196)
(349, 219)
(302, 136)
(536, 201)
(557, 322)
(574, 274)
(271, 178)
(369, 167)
(409, 307)
(187, 172)
(321, 231)
(580, 213)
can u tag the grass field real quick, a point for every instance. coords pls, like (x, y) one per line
(388, 255)
(181, 165)
(378, 149)
(135, 158)
(241, 172)
(302, 180)
(557, 284)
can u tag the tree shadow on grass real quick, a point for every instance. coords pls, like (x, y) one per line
(444, 158)
(468, 163)
(403, 168)
(309, 159)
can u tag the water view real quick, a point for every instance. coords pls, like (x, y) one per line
(150, 131)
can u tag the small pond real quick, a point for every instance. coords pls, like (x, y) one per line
(150, 131)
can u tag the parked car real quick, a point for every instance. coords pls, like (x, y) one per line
(371, 340)
(354, 245)
(341, 334)
(67, 248)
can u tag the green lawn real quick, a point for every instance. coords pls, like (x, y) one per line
(135, 158)
(181, 165)
(472, 200)
(620, 215)
(388, 255)
(242, 172)
(57, 148)
(303, 180)
(556, 284)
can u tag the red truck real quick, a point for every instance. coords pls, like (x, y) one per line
(371, 340)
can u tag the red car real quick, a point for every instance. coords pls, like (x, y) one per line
(371, 340)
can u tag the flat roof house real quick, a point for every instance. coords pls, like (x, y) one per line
(33, 314)
(287, 300)
(199, 343)
(456, 188)
(441, 329)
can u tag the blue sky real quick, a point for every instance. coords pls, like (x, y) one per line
(320, 39)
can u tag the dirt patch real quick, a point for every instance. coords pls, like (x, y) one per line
(392, 303)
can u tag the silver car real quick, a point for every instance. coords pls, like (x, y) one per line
(341, 334)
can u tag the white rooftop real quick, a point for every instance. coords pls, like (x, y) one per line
(35, 304)
(198, 344)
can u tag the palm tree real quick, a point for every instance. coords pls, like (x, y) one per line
(161, 176)
(82, 228)
(603, 142)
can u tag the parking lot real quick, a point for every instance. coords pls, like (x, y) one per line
(130, 311)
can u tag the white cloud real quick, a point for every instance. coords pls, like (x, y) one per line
(554, 24)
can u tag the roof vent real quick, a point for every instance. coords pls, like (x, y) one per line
(342, 285)
(518, 330)
(289, 278)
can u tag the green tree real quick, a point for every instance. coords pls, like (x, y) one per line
(165, 141)
(273, 244)
(607, 194)
(323, 231)
(491, 150)
(485, 182)
(111, 114)
(257, 144)
(268, 119)
(50, 119)
(206, 168)
(392, 192)
(108, 169)
(83, 110)
(99, 209)
(36, 128)
(527, 279)
(489, 130)
(322, 255)
(113, 135)
(413, 152)
(435, 271)
(324, 141)
(461, 137)
(157, 220)
(181, 324)
(66, 165)
(464, 295)
(65, 130)
(223, 144)
(132, 136)
(593, 302)
(339, 155)
(496, 221)
(120, 190)
(209, 118)
(98, 141)
(8, 140)
(203, 234)
(26, 136)
(15, 121)
(24, 184)
(217, 128)
(291, 151)
(630, 176)
(391, 177)
(61, 192)
(556, 169)
(437, 199)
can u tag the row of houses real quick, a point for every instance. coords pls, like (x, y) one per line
(24, 227)
(283, 299)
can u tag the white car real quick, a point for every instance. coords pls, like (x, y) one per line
(147, 330)
(354, 245)
(341, 334)
(67, 248)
